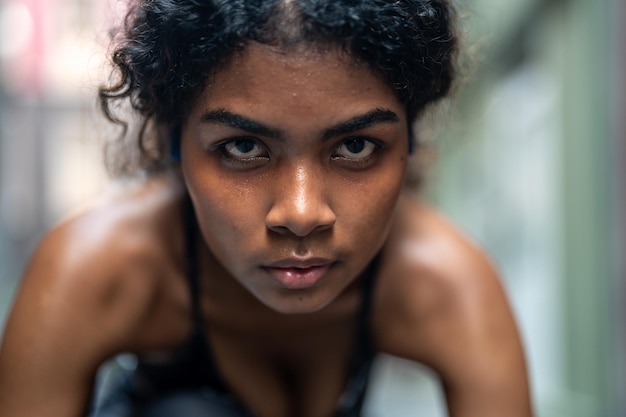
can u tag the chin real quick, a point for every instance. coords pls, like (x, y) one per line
(297, 304)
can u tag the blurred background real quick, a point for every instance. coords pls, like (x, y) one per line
(531, 162)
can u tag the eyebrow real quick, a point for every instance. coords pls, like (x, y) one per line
(225, 117)
(363, 121)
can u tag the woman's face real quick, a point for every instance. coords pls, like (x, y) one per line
(294, 162)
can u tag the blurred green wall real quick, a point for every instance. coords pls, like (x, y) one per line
(528, 165)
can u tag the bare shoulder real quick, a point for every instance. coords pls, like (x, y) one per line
(432, 272)
(440, 301)
(96, 275)
(99, 283)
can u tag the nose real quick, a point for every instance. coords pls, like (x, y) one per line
(300, 206)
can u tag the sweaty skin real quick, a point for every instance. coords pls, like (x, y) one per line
(299, 194)
(295, 163)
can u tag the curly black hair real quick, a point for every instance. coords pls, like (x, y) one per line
(167, 49)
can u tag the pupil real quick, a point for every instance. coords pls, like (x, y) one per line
(355, 145)
(244, 146)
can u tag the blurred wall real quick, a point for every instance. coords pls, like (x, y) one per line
(530, 167)
(51, 58)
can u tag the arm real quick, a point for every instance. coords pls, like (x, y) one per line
(47, 362)
(449, 311)
(481, 360)
(71, 313)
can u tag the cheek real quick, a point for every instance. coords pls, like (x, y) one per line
(223, 208)
(229, 211)
(230, 223)
(369, 203)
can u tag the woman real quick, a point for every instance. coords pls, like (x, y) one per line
(274, 248)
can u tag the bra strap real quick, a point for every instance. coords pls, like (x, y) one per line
(364, 338)
(192, 267)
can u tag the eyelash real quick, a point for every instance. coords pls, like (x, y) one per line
(359, 162)
(222, 153)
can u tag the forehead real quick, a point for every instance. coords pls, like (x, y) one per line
(302, 78)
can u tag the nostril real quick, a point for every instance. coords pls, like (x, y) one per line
(300, 204)
(281, 230)
(298, 223)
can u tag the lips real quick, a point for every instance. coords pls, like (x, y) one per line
(299, 274)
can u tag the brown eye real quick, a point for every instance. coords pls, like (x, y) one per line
(356, 148)
(244, 148)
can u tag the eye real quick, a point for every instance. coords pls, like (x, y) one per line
(242, 153)
(244, 149)
(356, 149)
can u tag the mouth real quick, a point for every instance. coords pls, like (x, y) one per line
(299, 274)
